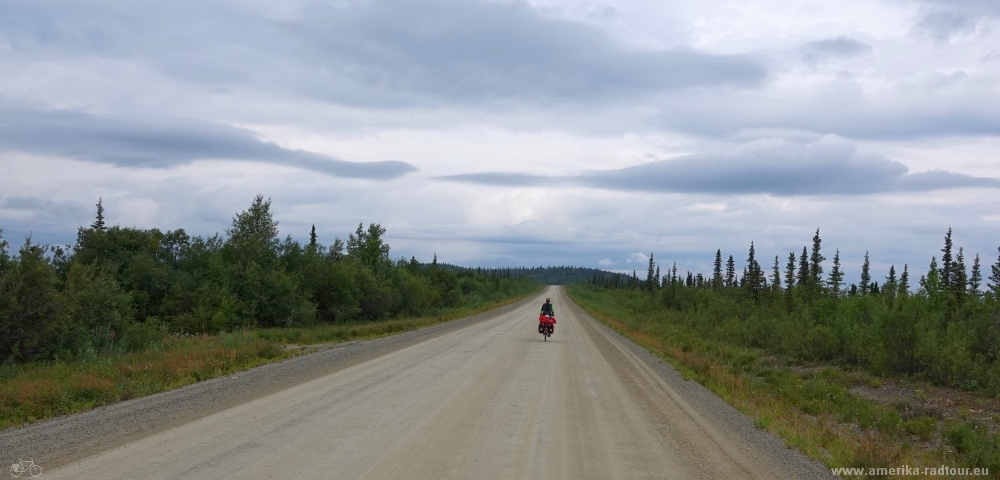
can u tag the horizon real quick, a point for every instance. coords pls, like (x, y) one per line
(639, 260)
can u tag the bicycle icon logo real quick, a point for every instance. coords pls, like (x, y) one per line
(22, 467)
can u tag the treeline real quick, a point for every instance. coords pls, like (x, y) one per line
(945, 328)
(616, 280)
(120, 288)
(561, 275)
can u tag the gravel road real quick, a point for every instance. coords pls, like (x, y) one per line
(483, 397)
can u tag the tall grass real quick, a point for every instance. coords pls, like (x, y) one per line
(30, 392)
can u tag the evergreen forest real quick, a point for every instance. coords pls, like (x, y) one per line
(561, 275)
(943, 327)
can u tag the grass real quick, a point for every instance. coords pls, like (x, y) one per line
(812, 409)
(32, 392)
(41, 390)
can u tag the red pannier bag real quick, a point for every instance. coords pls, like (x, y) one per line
(544, 319)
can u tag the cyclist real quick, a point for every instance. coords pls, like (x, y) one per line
(547, 316)
(547, 308)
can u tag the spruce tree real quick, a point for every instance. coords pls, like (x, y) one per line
(890, 281)
(866, 277)
(836, 274)
(754, 275)
(731, 272)
(959, 276)
(717, 270)
(904, 281)
(947, 267)
(673, 273)
(650, 274)
(804, 267)
(976, 278)
(790, 272)
(816, 260)
(312, 237)
(99, 221)
(995, 277)
(658, 285)
(776, 274)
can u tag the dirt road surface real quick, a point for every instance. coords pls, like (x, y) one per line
(490, 400)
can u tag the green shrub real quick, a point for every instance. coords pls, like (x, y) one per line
(922, 426)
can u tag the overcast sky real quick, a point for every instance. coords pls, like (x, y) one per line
(502, 133)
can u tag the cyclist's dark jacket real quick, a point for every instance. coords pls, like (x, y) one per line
(547, 309)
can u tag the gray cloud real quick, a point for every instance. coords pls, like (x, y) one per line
(942, 24)
(44, 213)
(943, 19)
(164, 143)
(828, 166)
(508, 179)
(820, 50)
(44, 220)
(449, 59)
(374, 53)
(962, 108)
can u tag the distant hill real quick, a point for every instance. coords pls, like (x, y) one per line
(562, 275)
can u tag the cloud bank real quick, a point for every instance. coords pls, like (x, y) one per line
(164, 143)
(828, 166)
(380, 53)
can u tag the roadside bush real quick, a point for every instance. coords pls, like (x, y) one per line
(98, 306)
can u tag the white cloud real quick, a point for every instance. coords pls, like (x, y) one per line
(637, 258)
(605, 262)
